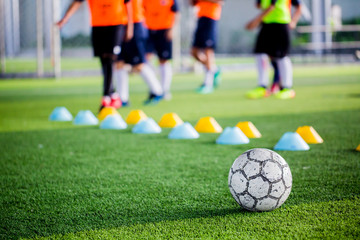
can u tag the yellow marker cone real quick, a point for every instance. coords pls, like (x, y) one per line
(249, 129)
(106, 111)
(208, 125)
(309, 135)
(358, 148)
(170, 120)
(135, 116)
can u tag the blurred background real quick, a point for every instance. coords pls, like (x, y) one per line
(30, 45)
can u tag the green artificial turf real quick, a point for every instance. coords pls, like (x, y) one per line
(29, 65)
(21, 65)
(61, 181)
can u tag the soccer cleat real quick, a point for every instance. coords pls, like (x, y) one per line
(217, 78)
(115, 101)
(105, 102)
(203, 89)
(153, 99)
(125, 104)
(286, 93)
(256, 93)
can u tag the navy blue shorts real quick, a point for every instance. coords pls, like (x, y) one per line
(205, 34)
(107, 40)
(157, 42)
(274, 40)
(133, 52)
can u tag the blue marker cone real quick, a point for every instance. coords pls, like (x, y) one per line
(147, 126)
(183, 131)
(113, 122)
(85, 117)
(232, 136)
(291, 141)
(60, 114)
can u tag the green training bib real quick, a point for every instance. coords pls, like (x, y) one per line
(281, 13)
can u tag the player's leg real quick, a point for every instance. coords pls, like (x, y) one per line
(149, 40)
(198, 54)
(262, 68)
(211, 46)
(166, 75)
(210, 60)
(107, 68)
(139, 62)
(210, 70)
(149, 77)
(127, 56)
(163, 47)
(120, 73)
(286, 81)
(282, 46)
(261, 50)
(106, 43)
(150, 62)
(285, 70)
(204, 44)
(122, 82)
(198, 44)
(103, 52)
(275, 87)
(201, 56)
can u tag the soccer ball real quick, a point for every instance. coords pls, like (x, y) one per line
(260, 180)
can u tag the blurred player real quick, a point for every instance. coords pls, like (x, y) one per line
(204, 44)
(275, 87)
(274, 41)
(133, 53)
(108, 19)
(160, 18)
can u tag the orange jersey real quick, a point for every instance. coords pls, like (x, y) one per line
(107, 12)
(159, 14)
(138, 11)
(209, 10)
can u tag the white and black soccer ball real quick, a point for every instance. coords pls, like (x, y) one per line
(260, 180)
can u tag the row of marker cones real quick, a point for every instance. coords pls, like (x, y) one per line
(111, 119)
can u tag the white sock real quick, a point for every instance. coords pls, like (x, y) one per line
(166, 76)
(151, 64)
(209, 78)
(262, 63)
(122, 84)
(285, 71)
(150, 78)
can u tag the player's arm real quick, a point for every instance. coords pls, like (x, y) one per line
(74, 6)
(130, 24)
(297, 13)
(258, 19)
(175, 9)
(193, 2)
